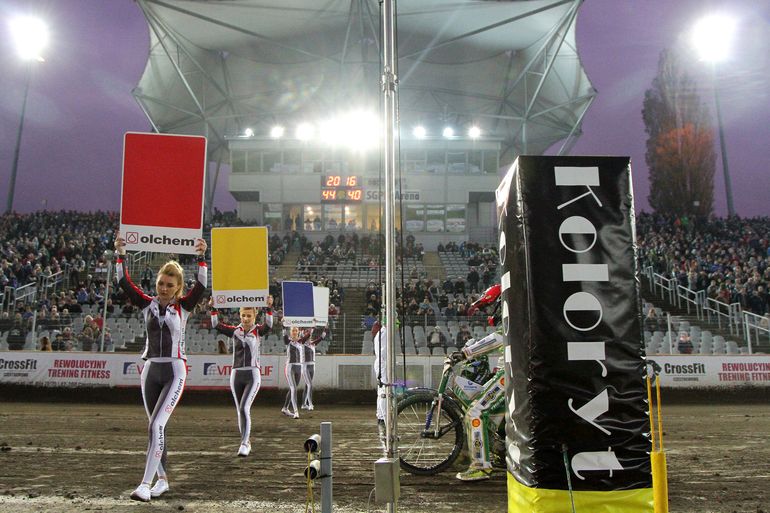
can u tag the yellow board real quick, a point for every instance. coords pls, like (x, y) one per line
(522, 499)
(239, 275)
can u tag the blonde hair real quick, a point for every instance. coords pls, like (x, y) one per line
(254, 308)
(173, 269)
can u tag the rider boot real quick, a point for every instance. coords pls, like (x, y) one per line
(474, 473)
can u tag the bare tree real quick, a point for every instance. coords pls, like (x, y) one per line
(680, 147)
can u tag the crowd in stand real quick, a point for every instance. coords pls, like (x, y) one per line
(422, 301)
(71, 245)
(729, 259)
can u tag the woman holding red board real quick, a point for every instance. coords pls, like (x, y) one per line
(165, 370)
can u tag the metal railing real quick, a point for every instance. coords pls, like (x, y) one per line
(729, 314)
(755, 329)
(689, 297)
(11, 296)
(666, 287)
(754, 326)
(51, 284)
(649, 273)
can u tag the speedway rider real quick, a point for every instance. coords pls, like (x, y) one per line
(490, 399)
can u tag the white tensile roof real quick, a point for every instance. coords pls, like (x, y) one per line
(510, 67)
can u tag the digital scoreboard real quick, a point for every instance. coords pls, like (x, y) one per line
(341, 189)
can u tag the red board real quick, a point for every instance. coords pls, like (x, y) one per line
(163, 180)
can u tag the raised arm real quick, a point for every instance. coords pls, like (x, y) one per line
(195, 294)
(221, 327)
(317, 340)
(266, 326)
(134, 293)
(483, 345)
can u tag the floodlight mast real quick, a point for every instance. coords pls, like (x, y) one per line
(711, 38)
(390, 161)
(30, 37)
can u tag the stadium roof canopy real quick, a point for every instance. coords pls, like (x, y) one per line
(510, 67)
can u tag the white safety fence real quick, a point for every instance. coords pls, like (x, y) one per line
(334, 372)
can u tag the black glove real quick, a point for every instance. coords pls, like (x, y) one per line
(457, 356)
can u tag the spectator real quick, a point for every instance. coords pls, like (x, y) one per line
(68, 339)
(5, 322)
(45, 344)
(368, 322)
(82, 295)
(128, 309)
(463, 335)
(17, 335)
(109, 345)
(651, 320)
(436, 338)
(684, 345)
(473, 280)
(86, 338)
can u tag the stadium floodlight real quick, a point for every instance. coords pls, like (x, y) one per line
(305, 131)
(361, 130)
(419, 132)
(30, 37)
(712, 37)
(474, 132)
(356, 130)
(277, 132)
(248, 132)
(332, 132)
(448, 132)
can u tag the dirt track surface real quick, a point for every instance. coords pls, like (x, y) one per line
(71, 458)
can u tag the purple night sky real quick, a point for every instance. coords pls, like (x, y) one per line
(80, 102)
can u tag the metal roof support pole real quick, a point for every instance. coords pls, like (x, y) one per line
(547, 40)
(555, 38)
(142, 97)
(571, 139)
(157, 24)
(153, 22)
(220, 23)
(225, 92)
(566, 22)
(140, 101)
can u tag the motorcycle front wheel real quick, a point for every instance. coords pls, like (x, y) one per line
(429, 441)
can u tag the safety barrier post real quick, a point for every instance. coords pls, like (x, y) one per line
(657, 456)
(320, 468)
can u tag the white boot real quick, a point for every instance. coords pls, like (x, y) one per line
(244, 449)
(142, 493)
(161, 487)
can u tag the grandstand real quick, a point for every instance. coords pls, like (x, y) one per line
(45, 277)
